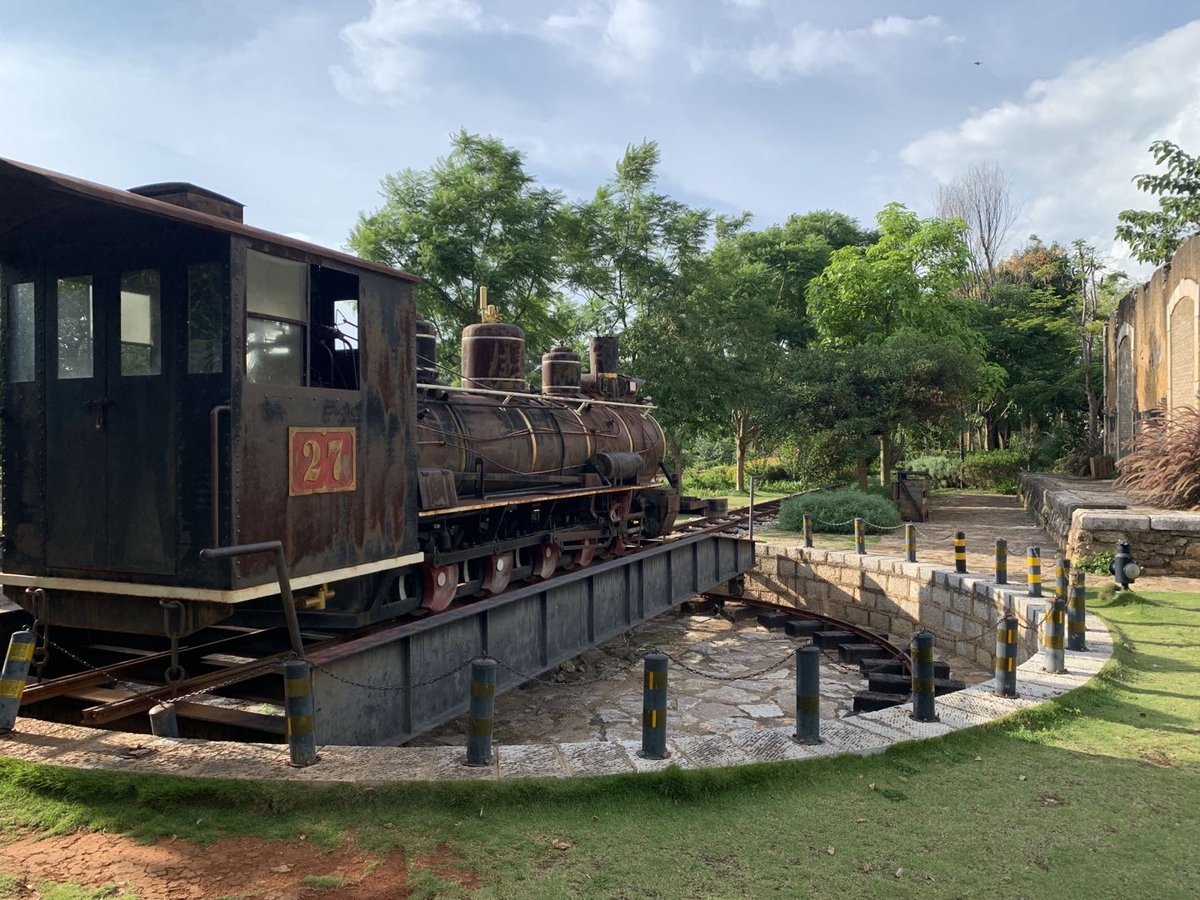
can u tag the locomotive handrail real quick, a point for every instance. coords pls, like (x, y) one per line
(583, 401)
(211, 554)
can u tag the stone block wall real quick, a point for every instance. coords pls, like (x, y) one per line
(1163, 542)
(897, 597)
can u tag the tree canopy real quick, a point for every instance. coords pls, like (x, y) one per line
(1153, 236)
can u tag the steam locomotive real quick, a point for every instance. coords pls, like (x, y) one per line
(175, 380)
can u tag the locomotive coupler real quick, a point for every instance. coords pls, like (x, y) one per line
(173, 628)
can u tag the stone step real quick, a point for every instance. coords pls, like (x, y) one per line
(852, 653)
(831, 640)
(902, 684)
(773, 621)
(869, 701)
(895, 667)
(803, 627)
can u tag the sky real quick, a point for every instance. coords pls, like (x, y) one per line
(298, 108)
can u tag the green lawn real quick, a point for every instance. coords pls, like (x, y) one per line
(1094, 795)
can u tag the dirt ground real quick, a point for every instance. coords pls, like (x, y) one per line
(242, 868)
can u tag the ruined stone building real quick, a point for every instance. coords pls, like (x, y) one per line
(1151, 342)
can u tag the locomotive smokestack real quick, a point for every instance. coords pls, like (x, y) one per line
(561, 370)
(602, 353)
(426, 352)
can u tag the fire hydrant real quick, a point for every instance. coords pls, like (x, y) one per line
(1124, 570)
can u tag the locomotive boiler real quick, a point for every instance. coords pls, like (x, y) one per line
(177, 381)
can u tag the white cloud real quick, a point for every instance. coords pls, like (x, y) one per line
(1073, 143)
(810, 49)
(387, 53)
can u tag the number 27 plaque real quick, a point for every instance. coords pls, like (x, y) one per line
(321, 460)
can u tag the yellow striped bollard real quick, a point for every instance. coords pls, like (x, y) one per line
(1001, 561)
(1033, 571)
(807, 530)
(860, 536)
(481, 712)
(1054, 636)
(1006, 656)
(910, 543)
(654, 708)
(960, 552)
(1077, 613)
(299, 706)
(12, 681)
(1060, 579)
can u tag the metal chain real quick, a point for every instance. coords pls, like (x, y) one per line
(583, 682)
(934, 537)
(744, 676)
(391, 688)
(129, 686)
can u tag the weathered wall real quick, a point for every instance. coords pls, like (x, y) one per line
(1160, 321)
(897, 597)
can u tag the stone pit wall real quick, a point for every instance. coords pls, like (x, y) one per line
(897, 597)
(1163, 542)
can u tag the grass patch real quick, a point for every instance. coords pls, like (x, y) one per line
(1094, 794)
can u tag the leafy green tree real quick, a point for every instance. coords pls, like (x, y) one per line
(630, 246)
(1153, 236)
(909, 283)
(475, 218)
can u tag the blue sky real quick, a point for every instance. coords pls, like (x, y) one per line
(299, 108)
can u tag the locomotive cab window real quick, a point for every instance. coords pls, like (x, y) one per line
(301, 324)
(276, 319)
(141, 326)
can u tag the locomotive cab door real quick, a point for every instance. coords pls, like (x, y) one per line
(110, 480)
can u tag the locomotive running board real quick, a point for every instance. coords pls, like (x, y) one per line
(530, 629)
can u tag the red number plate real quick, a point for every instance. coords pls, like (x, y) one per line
(321, 460)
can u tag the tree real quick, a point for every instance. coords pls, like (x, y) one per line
(629, 245)
(904, 288)
(1153, 236)
(980, 197)
(1097, 295)
(475, 218)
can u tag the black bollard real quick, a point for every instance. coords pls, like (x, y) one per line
(910, 543)
(483, 707)
(1001, 561)
(808, 695)
(1054, 631)
(807, 530)
(1006, 656)
(12, 681)
(960, 552)
(860, 536)
(1033, 571)
(297, 690)
(921, 651)
(1077, 613)
(654, 708)
(163, 721)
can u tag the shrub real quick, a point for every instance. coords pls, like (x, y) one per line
(992, 470)
(1097, 563)
(1163, 466)
(715, 479)
(833, 512)
(943, 471)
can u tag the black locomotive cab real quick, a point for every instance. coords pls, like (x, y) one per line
(174, 380)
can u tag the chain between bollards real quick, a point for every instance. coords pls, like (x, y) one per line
(910, 543)
(1001, 561)
(12, 681)
(960, 552)
(1077, 612)
(860, 537)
